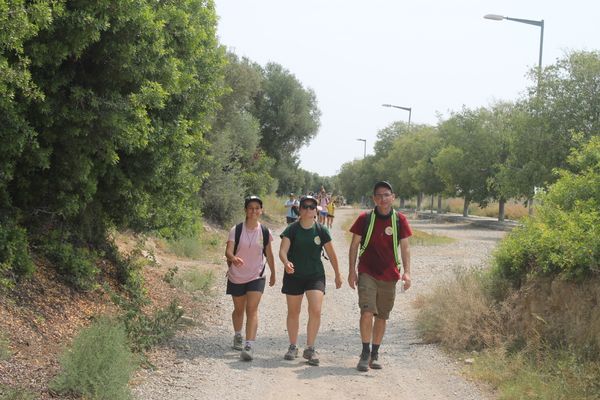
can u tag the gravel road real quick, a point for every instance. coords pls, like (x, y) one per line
(200, 364)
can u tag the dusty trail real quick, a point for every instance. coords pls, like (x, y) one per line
(202, 365)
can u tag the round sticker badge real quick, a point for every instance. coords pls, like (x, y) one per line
(389, 230)
(317, 240)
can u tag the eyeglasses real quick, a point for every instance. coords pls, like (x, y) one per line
(308, 207)
(383, 195)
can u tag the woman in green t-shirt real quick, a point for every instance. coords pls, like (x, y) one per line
(300, 252)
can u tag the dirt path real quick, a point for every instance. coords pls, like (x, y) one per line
(200, 363)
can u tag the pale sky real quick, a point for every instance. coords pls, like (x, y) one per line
(433, 56)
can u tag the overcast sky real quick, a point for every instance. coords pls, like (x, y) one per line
(433, 56)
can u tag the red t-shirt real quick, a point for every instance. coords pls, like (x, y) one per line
(378, 259)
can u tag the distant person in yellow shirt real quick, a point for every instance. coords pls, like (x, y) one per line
(330, 212)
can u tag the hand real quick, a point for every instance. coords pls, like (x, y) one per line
(289, 267)
(352, 279)
(272, 280)
(238, 262)
(338, 281)
(407, 281)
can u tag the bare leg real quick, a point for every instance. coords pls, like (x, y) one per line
(294, 304)
(315, 301)
(366, 326)
(252, 314)
(237, 316)
(378, 330)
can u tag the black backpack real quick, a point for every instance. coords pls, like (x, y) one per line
(238, 235)
(294, 226)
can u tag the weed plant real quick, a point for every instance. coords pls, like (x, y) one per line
(99, 363)
(5, 352)
(195, 281)
(10, 393)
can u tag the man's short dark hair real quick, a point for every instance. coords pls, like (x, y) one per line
(384, 184)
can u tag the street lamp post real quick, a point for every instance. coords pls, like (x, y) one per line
(365, 146)
(409, 109)
(497, 17)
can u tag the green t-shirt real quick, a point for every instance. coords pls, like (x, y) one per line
(305, 250)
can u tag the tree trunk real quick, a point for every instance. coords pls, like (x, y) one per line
(466, 207)
(419, 200)
(501, 204)
(431, 208)
(530, 206)
(402, 202)
(439, 210)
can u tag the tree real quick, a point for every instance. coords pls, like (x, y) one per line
(287, 112)
(115, 140)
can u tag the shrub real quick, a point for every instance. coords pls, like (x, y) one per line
(10, 393)
(15, 260)
(193, 280)
(99, 363)
(76, 263)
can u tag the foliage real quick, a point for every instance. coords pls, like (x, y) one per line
(564, 238)
(422, 238)
(5, 352)
(195, 281)
(103, 116)
(287, 112)
(15, 260)
(8, 393)
(99, 363)
(76, 263)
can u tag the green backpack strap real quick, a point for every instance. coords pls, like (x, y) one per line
(367, 237)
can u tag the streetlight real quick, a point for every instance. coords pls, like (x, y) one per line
(365, 146)
(409, 109)
(497, 17)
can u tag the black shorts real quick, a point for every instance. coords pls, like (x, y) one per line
(297, 286)
(240, 289)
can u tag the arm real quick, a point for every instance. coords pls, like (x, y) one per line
(231, 258)
(283, 250)
(271, 262)
(405, 255)
(352, 275)
(334, 263)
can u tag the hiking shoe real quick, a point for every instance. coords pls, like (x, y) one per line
(363, 363)
(311, 355)
(238, 342)
(374, 362)
(247, 354)
(291, 353)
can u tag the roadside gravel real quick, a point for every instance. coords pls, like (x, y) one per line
(200, 364)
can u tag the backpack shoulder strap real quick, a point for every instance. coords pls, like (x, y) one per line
(266, 234)
(321, 234)
(238, 235)
(367, 231)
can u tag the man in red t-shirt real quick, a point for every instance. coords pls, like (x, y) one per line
(378, 269)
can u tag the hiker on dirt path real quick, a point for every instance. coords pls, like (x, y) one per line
(248, 244)
(292, 209)
(300, 252)
(376, 237)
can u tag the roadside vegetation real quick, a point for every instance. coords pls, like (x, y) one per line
(532, 319)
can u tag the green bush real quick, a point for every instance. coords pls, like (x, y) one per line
(15, 260)
(99, 363)
(564, 237)
(77, 264)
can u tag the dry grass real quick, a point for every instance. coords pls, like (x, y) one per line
(540, 342)
(513, 209)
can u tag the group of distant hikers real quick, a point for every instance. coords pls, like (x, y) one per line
(379, 242)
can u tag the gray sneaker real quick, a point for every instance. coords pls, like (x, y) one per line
(363, 363)
(374, 361)
(247, 354)
(238, 342)
(311, 355)
(291, 353)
